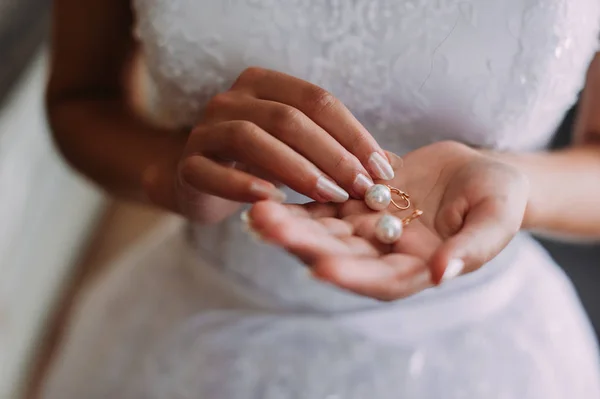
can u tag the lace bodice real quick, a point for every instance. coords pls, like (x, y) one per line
(491, 73)
(494, 73)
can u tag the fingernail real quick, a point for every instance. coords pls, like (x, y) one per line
(381, 166)
(361, 184)
(395, 160)
(331, 191)
(420, 281)
(246, 221)
(247, 227)
(267, 191)
(245, 217)
(453, 269)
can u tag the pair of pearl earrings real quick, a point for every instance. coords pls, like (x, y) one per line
(389, 228)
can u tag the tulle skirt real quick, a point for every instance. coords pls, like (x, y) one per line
(164, 324)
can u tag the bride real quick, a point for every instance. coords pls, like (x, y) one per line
(259, 100)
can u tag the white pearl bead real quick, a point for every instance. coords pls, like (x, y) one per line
(388, 229)
(378, 197)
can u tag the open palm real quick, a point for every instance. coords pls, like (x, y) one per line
(473, 205)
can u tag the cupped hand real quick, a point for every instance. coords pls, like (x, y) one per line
(275, 128)
(473, 206)
(340, 248)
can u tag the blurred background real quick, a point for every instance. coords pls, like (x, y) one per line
(54, 227)
(56, 230)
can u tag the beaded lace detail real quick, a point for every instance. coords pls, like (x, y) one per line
(489, 73)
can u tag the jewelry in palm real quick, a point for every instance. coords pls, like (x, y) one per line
(389, 228)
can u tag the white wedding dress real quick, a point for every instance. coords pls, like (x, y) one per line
(197, 312)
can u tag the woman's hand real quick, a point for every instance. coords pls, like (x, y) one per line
(284, 130)
(473, 206)
(473, 203)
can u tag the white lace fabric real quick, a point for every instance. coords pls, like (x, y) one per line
(490, 73)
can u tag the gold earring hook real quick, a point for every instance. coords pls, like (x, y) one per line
(405, 197)
(415, 215)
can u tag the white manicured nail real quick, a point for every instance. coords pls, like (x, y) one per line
(381, 166)
(247, 227)
(419, 282)
(245, 218)
(331, 191)
(361, 184)
(453, 269)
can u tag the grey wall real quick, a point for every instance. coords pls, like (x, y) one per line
(23, 26)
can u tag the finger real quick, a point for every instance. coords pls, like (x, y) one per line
(313, 210)
(395, 160)
(364, 227)
(245, 142)
(388, 278)
(361, 247)
(486, 231)
(352, 207)
(323, 108)
(304, 237)
(337, 227)
(299, 132)
(319, 210)
(198, 174)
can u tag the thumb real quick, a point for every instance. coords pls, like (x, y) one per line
(487, 228)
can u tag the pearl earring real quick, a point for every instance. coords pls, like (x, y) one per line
(389, 228)
(379, 196)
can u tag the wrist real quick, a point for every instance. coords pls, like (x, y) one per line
(524, 165)
(159, 175)
(564, 190)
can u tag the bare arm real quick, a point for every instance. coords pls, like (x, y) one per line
(93, 123)
(565, 184)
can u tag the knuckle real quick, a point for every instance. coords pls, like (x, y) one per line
(360, 140)
(249, 76)
(217, 104)
(219, 101)
(187, 169)
(319, 100)
(287, 119)
(241, 132)
(343, 161)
